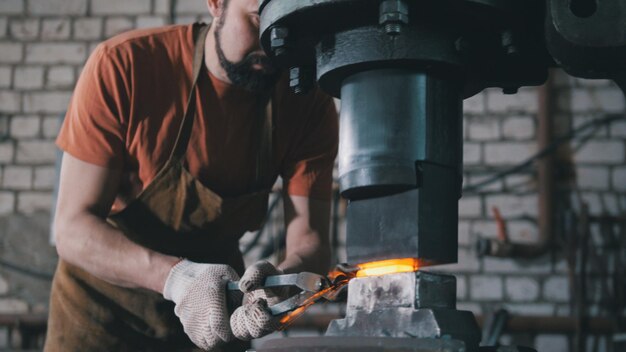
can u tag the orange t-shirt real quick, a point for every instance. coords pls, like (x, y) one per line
(129, 103)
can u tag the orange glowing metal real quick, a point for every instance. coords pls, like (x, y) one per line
(389, 266)
(341, 278)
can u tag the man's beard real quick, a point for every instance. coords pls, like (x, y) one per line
(242, 73)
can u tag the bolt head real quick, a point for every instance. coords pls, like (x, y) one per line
(462, 45)
(393, 11)
(278, 37)
(394, 6)
(393, 17)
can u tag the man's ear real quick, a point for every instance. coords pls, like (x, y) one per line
(215, 7)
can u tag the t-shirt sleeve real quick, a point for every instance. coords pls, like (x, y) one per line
(308, 170)
(94, 126)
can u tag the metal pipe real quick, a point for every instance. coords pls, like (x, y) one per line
(581, 302)
(545, 189)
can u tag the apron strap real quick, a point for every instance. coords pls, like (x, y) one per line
(264, 157)
(264, 166)
(184, 133)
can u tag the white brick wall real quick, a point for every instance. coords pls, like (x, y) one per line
(485, 130)
(17, 177)
(10, 52)
(25, 29)
(522, 288)
(57, 7)
(44, 178)
(150, 21)
(552, 343)
(512, 206)
(12, 306)
(88, 28)
(47, 102)
(472, 153)
(475, 104)
(486, 288)
(470, 207)
(61, 77)
(556, 289)
(4, 22)
(55, 29)
(602, 152)
(7, 202)
(10, 101)
(4, 286)
(28, 77)
(6, 152)
(35, 152)
(24, 126)
(30, 202)
(595, 178)
(11, 7)
(116, 25)
(44, 43)
(518, 128)
(5, 76)
(191, 6)
(618, 129)
(50, 126)
(52, 53)
(516, 266)
(619, 178)
(120, 7)
(507, 153)
(162, 7)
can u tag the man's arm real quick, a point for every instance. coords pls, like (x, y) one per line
(85, 239)
(307, 224)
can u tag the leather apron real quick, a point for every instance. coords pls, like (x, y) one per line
(176, 215)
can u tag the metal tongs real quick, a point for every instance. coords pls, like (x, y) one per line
(311, 284)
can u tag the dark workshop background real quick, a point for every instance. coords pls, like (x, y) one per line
(578, 220)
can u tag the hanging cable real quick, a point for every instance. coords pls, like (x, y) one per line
(551, 148)
(26, 271)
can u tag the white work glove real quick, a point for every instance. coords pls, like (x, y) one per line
(199, 292)
(253, 319)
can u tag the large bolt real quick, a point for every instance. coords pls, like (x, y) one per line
(508, 43)
(462, 45)
(300, 79)
(278, 40)
(393, 14)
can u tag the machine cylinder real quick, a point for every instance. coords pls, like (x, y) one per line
(391, 120)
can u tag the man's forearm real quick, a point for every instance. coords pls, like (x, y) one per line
(307, 245)
(92, 244)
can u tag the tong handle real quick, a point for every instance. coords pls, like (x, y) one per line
(305, 281)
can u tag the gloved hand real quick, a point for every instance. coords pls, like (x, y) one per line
(253, 319)
(199, 292)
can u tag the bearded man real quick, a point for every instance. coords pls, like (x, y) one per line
(172, 141)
